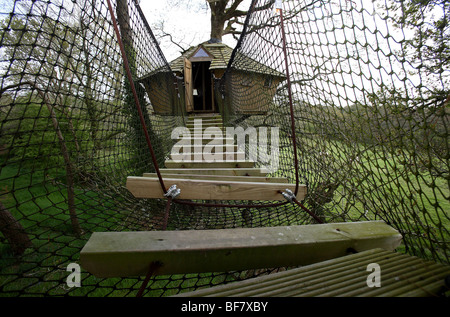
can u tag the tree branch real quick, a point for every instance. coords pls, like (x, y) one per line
(64, 151)
(163, 34)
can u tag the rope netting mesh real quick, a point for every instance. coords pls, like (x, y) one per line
(368, 86)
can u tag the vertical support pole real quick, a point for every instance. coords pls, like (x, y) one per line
(279, 8)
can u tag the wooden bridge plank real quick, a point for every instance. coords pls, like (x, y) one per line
(123, 254)
(216, 156)
(224, 178)
(147, 187)
(193, 148)
(217, 171)
(235, 164)
(402, 275)
(203, 140)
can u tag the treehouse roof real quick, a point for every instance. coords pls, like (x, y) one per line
(219, 54)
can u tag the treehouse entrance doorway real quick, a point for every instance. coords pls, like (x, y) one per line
(203, 89)
(199, 83)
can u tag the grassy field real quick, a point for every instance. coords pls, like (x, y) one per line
(375, 185)
(42, 209)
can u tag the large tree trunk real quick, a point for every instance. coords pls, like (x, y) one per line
(225, 15)
(217, 26)
(13, 231)
(218, 18)
(126, 33)
(123, 20)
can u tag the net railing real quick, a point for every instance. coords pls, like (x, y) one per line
(368, 86)
(370, 93)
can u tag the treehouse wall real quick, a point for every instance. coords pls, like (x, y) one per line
(247, 92)
(160, 90)
(252, 93)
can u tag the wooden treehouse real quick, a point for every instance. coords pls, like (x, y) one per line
(199, 69)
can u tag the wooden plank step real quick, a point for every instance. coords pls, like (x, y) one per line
(200, 132)
(203, 128)
(204, 124)
(193, 148)
(206, 140)
(125, 254)
(147, 187)
(204, 117)
(401, 275)
(219, 156)
(224, 178)
(204, 121)
(195, 129)
(237, 164)
(217, 171)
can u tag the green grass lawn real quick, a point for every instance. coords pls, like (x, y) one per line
(377, 186)
(41, 208)
(375, 183)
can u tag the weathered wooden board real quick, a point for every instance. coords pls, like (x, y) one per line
(204, 121)
(224, 178)
(149, 187)
(203, 139)
(122, 254)
(217, 171)
(203, 148)
(213, 156)
(401, 275)
(236, 164)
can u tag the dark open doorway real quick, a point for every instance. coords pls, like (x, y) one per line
(203, 90)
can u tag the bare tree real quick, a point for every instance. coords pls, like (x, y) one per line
(226, 18)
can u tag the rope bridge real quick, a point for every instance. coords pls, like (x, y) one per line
(355, 110)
